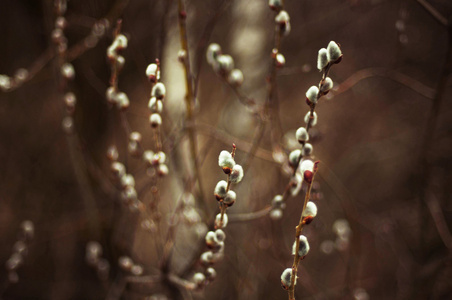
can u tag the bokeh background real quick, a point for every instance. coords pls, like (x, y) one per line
(384, 139)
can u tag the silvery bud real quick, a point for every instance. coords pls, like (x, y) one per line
(220, 190)
(230, 198)
(322, 59)
(294, 157)
(213, 51)
(235, 78)
(226, 161)
(314, 118)
(303, 248)
(312, 94)
(221, 224)
(302, 135)
(334, 52)
(309, 212)
(326, 86)
(155, 120)
(236, 174)
(158, 91)
(286, 278)
(307, 149)
(155, 106)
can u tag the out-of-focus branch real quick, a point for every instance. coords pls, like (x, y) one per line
(401, 78)
(435, 14)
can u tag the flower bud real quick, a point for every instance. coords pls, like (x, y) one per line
(121, 42)
(220, 235)
(322, 59)
(282, 19)
(67, 70)
(307, 149)
(220, 190)
(286, 278)
(276, 214)
(122, 101)
(275, 4)
(236, 174)
(314, 118)
(199, 279)
(118, 169)
(312, 94)
(230, 198)
(213, 51)
(136, 270)
(302, 135)
(155, 106)
(127, 181)
(211, 240)
(155, 120)
(181, 55)
(309, 212)
(153, 73)
(221, 224)
(224, 64)
(125, 263)
(303, 248)
(326, 86)
(70, 101)
(207, 258)
(162, 170)
(158, 91)
(211, 274)
(294, 157)
(226, 161)
(278, 202)
(280, 60)
(235, 78)
(334, 52)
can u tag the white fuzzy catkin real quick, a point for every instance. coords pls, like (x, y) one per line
(153, 73)
(327, 85)
(278, 202)
(306, 165)
(235, 78)
(236, 174)
(286, 278)
(294, 157)
(155, 105)
(314, 120)
(220, 189)
(276, 214)
(302, 135)
(226, 161)
(121, 41)
(275, 4)
(199, 279)
(230, 198)
(218, 223)
(303, 248)
(225, 64)
(312, 94)
(322, 59)
(334, 52)
(213, 51)
(158, 91)
(310, 210)
(283, 20)
(280, 60)
(307, 149)
(155, 120)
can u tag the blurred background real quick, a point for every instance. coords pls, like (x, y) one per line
(384, 139)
